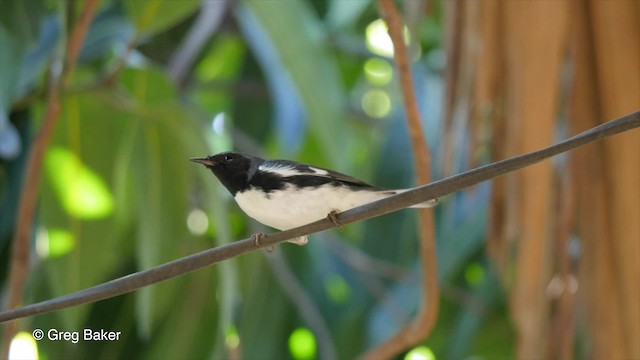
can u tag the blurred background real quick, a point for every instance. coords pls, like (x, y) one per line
(542, 263)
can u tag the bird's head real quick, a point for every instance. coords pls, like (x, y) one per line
(233, 169)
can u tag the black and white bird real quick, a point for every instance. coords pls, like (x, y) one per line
(286, 194)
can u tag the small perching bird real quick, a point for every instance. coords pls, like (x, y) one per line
(286, 194)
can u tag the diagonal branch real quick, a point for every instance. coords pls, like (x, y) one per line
(414, 196)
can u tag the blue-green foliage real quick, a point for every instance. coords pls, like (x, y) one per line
(280, 79)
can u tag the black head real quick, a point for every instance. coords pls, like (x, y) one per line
(233, 169)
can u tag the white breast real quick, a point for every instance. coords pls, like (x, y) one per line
(288, 209)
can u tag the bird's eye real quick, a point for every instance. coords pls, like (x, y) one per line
(228, 159)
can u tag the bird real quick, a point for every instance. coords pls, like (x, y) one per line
(285, 194)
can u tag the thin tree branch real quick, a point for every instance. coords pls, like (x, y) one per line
(77, 39)
(414, 332)
(27, 204)
(365, 263)
(304, 303)
(208, 21)
(381, 207)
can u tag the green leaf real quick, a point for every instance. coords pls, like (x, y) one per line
(82, 192)
(153, 16)
(160, 140)
(10, 56)
(88, 248)
(20, 23)
(345, 13)
(306, 56)
(222, 62)
(22, 19)
(11, 173)
(148, 87)
(109, 30)
(24, 30)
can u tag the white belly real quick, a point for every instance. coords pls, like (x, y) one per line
(285, 210)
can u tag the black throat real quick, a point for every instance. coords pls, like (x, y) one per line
(234, 181)
(236, 177)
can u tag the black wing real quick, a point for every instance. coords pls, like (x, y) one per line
(306, 169)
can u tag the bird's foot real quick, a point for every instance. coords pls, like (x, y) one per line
(333, 217)
(257, 240)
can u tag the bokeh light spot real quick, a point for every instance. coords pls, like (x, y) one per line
(337, 289)
(81, 191)
(51, 243)
(420, 353)
(376, 103)
(474, 274)
(378, 39)
(61, 242)
(302, 344)
(378, 71)
(23, 346)
(231, 338)
(197, 222)
(218, 123)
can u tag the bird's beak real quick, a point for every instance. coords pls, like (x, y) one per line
(204, 161)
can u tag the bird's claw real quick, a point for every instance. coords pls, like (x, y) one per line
(333, 217)
(257, 240)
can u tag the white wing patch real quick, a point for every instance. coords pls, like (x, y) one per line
(320, 172)
(286, 170)
(282, 170)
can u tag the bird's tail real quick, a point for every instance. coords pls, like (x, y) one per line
(422, 205)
